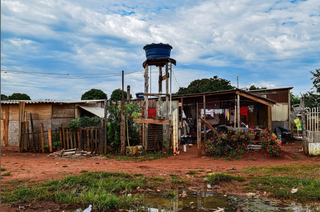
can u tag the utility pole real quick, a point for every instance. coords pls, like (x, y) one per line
(123, 121)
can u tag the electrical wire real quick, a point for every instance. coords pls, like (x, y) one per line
(48, 75)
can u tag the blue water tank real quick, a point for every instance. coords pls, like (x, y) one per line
(157, 50)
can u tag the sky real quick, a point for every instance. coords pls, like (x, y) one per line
(53, 49)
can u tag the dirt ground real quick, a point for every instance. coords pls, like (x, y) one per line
(40, 167)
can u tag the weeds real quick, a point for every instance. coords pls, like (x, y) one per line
(280, 187)
(191, 172)
(3, 169)
(175, 179)
(287, 170)
(6, 174)
(104, 190)
(214, 179)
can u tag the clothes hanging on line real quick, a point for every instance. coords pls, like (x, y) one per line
(244, 112)
(250, 108)
(208, 112)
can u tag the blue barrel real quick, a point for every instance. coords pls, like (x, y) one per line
(139, 95)
(157, 50)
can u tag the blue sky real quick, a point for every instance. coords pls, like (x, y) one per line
(54, 49)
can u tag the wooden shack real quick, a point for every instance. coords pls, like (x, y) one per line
(281, 111)
(48, 112)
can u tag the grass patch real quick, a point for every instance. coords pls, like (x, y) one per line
(286, 170)
(191, 172)
(147, 156)
(138, 174)
(222, 177)
(6, 174)
(280, 187)
(3, 169)
(175, 179)
(104, 190)
(64, 166)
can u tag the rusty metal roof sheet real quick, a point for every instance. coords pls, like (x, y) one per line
(49, 101)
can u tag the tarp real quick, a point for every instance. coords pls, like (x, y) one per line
(98, 111)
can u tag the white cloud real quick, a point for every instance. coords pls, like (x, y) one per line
(270, 43)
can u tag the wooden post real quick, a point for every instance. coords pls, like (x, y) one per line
(70, 137)
(204, 117)
(88, 141)
(238, 110)
(96, 140)
(168, 136)
(81, 139)
(303, 122)
(21, 119)
(75, 139)
(49, 139)
(146, 107)
(105, 129)
(63, 137)
(198, 132)
(235, 113)
(42, 137)
(103, 134)
(92, 139)
(60, 137)
(6, 126)
(32, 134)
(38, 141)
(160, 82)
(269, 120)
(182, 128)
(27, 144)
(123, 121)
(78, 136)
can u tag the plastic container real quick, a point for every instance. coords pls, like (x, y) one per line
(157, 50)
(139, 95)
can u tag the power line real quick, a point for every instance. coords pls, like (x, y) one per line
(174, 76)
(42, 74)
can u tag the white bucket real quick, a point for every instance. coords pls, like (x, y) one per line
(185, 148)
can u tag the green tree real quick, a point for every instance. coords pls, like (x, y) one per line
(206, 85)
(4, 97)
(19, 96)
(294, 99)
(316, 80)
(94, 94)
(117, 95)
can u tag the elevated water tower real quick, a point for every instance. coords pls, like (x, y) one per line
(158, 55)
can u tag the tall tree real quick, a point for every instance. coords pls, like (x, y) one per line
(117, 95)
(316, 80)
(19, 96)
(4, 97)
(206, 85)
(94, 94)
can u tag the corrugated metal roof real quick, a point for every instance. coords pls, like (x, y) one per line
(49, 101)
(98, 111)
(271, 89)
(221, 93)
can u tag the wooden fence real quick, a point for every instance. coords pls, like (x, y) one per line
(88, 139)
(313, 125)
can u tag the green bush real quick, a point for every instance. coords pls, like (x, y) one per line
(85, 122)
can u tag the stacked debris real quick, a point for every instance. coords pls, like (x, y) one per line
(74, 153)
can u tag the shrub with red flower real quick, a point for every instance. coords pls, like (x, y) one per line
(270, 144)
(232, 143)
